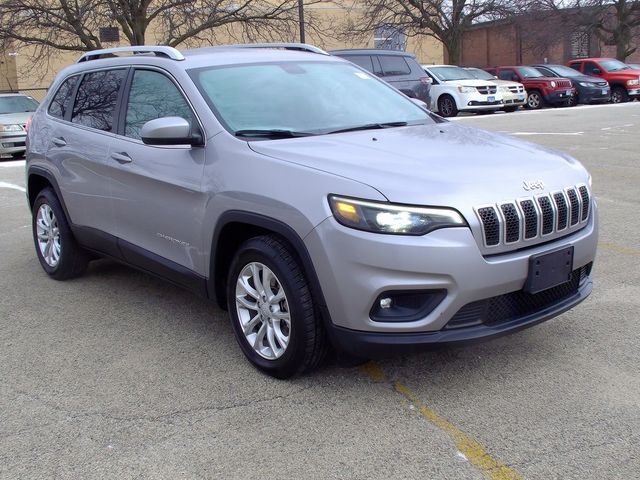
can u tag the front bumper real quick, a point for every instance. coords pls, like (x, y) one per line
(355, 267)
(633, 92)
(478, 101)
(12, 143)
(514, 99)
(594, 95)
(559, 96)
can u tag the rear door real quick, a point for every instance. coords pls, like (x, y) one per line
(79, 144)
(156, 190)
(396, 71)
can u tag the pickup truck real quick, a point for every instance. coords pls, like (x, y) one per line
(623, 79)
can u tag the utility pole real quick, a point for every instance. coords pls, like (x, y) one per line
(301, 19)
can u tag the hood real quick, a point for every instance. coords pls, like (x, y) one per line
(11, 118)
(543, 79)
(469, 82)
(440, 164)
(587, 78)
(507, 83)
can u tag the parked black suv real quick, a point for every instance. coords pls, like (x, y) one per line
(589, 89)
(400, 69)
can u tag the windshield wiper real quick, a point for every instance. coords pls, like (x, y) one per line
(370, 126)
(271, 133)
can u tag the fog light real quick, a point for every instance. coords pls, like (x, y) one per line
(405, 306)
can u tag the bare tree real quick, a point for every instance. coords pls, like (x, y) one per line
(614, 22)
(445, 20)
(73, 25)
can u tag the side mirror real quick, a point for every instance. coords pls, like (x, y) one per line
(495, 77)
(169, 131)
(597, 71)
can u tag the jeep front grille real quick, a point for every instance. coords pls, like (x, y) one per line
(536, 217)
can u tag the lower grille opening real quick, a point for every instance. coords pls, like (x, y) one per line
(514, 305)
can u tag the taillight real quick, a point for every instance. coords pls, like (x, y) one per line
(28, 124)
(428, 80)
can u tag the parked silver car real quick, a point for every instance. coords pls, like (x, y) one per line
(316, 203)
(15, 110)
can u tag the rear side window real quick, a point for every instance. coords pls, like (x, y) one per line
(96, 99)
(62, 99)
(153, 95)
(363, 61)
(394, 65)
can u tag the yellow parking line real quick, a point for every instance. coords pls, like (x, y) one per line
(620, 249)
(475, 453)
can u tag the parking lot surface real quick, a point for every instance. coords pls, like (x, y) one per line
(120, 375)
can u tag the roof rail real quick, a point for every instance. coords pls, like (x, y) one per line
(158, 50)
(303, 47)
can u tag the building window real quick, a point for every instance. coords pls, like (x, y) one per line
(109, 34)
(580, 40)
(389, 37)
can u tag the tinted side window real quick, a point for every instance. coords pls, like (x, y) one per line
(62, 99)
(576, 66)
(546, 72)
(508, 74)
(589, 68)
(363, 61)
(96, 99)
(394, 65)
(153, 95)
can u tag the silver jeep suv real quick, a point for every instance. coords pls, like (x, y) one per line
(317, 204)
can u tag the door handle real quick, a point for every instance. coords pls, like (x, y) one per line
(121, 157)
(58, 141)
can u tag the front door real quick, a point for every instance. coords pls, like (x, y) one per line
(156, 190)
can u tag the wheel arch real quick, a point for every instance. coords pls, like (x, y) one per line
(39, 178)
(236, 226)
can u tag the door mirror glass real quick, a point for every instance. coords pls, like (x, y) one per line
(169, 131)
(596, 71)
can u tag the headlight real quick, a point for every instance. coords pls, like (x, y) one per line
(553, 84)
(10, 128)
(587, 84)
(633, 82)
(382, 217)
(463, 89)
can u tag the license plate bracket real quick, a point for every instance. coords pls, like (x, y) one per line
(549, 269)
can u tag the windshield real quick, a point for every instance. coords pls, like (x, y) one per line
(480, 74)
(613, 65)
(564, 71)
(17, 104)
(451, 73)
(308, 97)
(529, 72)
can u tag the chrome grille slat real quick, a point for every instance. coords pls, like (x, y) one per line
(526, 219)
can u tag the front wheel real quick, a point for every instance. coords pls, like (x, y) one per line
(447, 106)
(619, 95)
(535, 100)
(272, 309)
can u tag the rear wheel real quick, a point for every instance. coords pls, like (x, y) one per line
(59, 254)
(272, 309)
(619, 95)
(535, 100)
(447, 106)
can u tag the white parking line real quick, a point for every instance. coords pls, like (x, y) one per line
(13, 163)
(545, 133)
(12, 186)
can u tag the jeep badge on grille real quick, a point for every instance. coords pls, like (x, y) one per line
(536, 184)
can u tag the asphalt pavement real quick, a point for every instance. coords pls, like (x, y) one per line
(119, 375)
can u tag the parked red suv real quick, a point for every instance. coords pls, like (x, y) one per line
(624, 80)
(541, 90)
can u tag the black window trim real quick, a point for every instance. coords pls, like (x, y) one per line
(123, 105)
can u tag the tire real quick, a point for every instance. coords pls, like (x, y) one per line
(447, 106)
(619, 95)
(510, 109)
(574, 100)
(535, 100)
(59, 254)
(279, 349)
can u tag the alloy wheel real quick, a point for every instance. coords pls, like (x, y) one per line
(446, 105)
(534, 100)
(48, 233)
(263, 310)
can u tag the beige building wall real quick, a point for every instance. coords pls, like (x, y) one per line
(33, 78)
